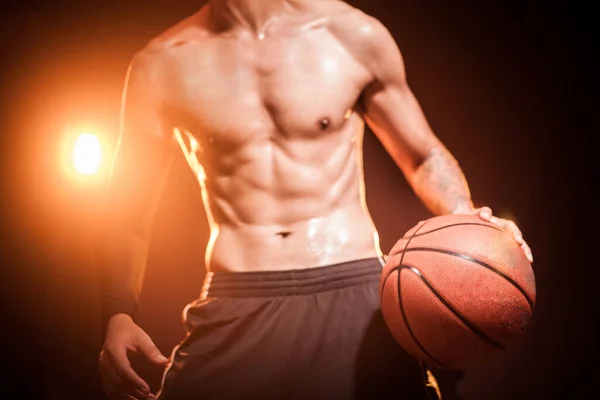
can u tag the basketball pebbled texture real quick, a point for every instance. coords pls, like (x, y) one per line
(457, 290)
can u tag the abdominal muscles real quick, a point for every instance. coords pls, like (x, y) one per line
(281, 202)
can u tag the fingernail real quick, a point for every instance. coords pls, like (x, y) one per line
(144, 390)
(519, 238)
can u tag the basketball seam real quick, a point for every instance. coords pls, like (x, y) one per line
(449, 305)
(476, 261)
(450, 226)
(401, 306)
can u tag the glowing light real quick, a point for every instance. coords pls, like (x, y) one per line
(507, 214)
(87, 154)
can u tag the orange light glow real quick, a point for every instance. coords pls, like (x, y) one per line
(87, 154)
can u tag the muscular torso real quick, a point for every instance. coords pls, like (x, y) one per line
(271, 128)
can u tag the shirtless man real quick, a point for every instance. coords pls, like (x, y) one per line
(267, 100)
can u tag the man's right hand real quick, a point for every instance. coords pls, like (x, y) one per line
(124, 337)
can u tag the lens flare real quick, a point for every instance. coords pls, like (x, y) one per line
(87, 154)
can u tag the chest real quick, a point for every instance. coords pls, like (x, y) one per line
(295, 85)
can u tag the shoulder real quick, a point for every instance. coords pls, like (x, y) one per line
(364, 36)
(189, 30)
(158, 59)
(348, 21)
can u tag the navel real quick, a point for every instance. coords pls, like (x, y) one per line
(179, 43)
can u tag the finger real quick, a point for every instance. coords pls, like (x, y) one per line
(111, 381)
(116, 387)
(121, 396)
(518, 237)
(510, 227)
(144, 396)
(127, 375)
(148, 396)
(126, 396)
(527, 251)
(485, 213)
(139, 395)
(147, 347)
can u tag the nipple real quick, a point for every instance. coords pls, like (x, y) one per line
(324, 123)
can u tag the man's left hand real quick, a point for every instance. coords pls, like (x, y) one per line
(485, 213)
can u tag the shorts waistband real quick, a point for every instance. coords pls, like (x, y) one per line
(291, 282)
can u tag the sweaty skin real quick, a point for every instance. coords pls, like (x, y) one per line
(267, 101)
(271, 123)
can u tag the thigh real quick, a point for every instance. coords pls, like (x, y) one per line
(378, 366)
(329, 345)
(227, 353)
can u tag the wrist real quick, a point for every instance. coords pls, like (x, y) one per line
(116, 309)
(119, 319)
(463, 208)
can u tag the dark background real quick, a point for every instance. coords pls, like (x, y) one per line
(508, 86)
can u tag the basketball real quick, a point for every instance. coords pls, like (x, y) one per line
(457, 290)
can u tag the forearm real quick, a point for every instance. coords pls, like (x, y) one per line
(440, 183)
(122, 256)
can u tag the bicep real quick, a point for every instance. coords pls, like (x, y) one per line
(392, 110)
(144, 151)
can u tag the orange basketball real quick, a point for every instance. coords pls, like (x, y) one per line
(457, 290)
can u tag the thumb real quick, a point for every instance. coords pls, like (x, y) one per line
(485, 213)
(149, 350)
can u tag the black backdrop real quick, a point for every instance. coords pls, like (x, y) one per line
(508, 86)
